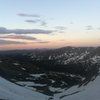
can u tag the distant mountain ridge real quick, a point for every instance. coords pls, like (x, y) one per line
(69, 54)
(61, 59)
(67, 57)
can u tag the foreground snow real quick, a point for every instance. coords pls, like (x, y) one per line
(10, 91)
(89, 92)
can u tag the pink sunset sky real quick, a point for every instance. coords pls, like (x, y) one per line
(49, 24)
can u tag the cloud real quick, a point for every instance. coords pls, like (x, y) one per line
(32, 21)
(99, 28)
(41, 22)
(28, 15)
(4, 30)
(89, 27)
(6, 42)
(62, 40)
(18, 36)
(6, 39)
(43, 42)
(61, 28)
(71, 22)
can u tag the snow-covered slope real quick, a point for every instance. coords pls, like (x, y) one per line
(91, 92)
(10, 91)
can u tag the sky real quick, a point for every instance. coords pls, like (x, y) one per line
(27, 24)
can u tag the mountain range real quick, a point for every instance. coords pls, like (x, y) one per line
(51, 71)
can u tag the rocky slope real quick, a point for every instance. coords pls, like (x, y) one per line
(51, 72)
